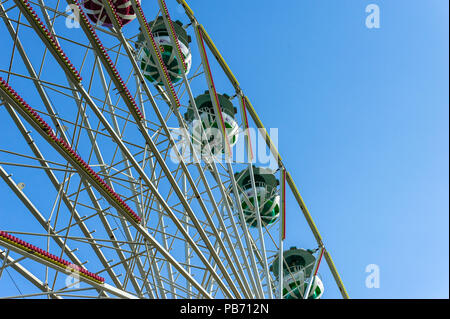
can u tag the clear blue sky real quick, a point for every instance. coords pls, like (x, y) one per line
(363, 127)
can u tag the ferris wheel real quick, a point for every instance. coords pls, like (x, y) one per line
(128, 172)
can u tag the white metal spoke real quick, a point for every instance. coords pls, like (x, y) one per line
(101, 114)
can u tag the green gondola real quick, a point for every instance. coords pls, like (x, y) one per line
(167, 49)
(266, 191)
(208, 130)
(297, 271)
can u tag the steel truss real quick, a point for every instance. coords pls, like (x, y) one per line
(121, 198)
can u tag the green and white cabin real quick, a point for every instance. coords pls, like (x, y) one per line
(266, 191)
(167, 49)
(297, 270)
(208, 129)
